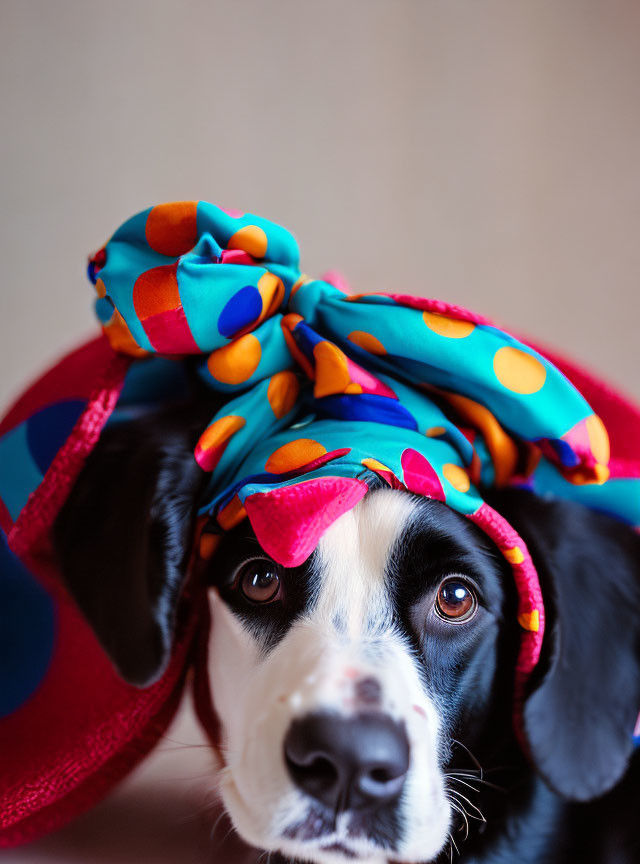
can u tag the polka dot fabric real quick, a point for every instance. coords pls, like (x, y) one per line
(191, 278)
(323, 384)
(326, 391)
(330, 388)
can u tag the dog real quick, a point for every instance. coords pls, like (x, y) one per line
(365, 698)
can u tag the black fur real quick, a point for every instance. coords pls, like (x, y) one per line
(123, 536)
(580, 712)
(123, 540)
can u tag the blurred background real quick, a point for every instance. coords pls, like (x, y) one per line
(480, 152)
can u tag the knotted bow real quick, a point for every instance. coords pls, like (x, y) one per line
(468, 403)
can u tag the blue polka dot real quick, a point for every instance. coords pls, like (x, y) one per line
(27, 632)
(104, 309)
(49, 429)
(367, 407)
(240, 311)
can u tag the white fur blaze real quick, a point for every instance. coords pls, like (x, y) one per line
(346, 635)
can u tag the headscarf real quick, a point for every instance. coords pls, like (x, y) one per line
(327, 389)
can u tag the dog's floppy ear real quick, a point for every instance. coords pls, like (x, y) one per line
(580, 715)
(123, 536)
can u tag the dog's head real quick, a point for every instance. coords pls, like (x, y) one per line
(341, 685)
(354, 692)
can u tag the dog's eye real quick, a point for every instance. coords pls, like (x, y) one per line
(259, 581)
(456, 601)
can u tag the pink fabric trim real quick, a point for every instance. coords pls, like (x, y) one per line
(529, 601)
(36, 518)
(439, 307)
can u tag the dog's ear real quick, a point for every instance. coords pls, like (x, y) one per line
(123, 536)
(580, 715)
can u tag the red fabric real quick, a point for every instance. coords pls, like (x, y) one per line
(74, 376)
(84, 728)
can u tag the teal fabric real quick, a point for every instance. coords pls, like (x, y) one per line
(366, 379)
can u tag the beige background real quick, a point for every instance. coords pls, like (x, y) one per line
(481, 152)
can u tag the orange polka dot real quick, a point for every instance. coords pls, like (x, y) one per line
(120, 337)
(293, 455)
(435, 431)
(282, 393)
(272, 292)
(251, 240)
(353, 389)
(368, 342)
(156, 291)
(519, 371)
(232, 514)
(220, 430)
(514, 555)
(332, 374)
(452, 328)
(598, 439)
(101, 288)
(530, 620)
(237, 361)
(457, 476)
(171, 229)
(374, 465)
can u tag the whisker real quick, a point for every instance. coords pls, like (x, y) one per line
(480, 817)
(472, 757)
(461, 811)
(231, 831)
(216, 824)
(464, 783)
(476, 779)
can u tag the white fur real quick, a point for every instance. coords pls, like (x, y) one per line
(349, 634)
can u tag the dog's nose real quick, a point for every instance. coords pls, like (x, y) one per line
(356, 763)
